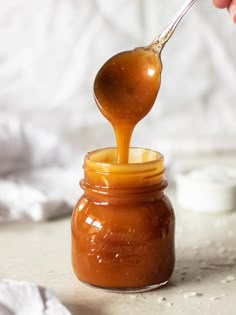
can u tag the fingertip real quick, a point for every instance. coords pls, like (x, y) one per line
(221, 4)
(232, 12)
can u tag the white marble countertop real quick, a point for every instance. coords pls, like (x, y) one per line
(204, 280)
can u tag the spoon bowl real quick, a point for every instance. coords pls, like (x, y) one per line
(126, 86)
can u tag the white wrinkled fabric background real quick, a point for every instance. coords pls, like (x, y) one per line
(50, 52)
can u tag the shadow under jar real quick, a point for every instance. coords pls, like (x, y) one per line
(123, 225)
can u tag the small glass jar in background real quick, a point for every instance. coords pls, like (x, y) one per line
(123, 225)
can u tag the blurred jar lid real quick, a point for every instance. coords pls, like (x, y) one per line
(210, 189)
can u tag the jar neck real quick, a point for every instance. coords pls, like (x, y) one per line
(104, 196)
(106, 181)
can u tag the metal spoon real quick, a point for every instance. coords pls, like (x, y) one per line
(118, 76)
(127, 85)
(159, 42)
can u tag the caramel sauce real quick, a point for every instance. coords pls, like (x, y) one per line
(123, 246)
(125, 90)
(123, 225)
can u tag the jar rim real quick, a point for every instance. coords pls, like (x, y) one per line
(108, 157)
(102, 170)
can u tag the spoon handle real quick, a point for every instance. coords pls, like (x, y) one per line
(159, 42)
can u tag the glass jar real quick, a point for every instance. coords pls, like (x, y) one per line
(123, 225)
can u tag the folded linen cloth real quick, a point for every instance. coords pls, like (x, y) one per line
(30, 197)
(24, 298)
(24, 146)
(36, 182)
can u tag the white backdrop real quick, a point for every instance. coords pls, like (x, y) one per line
(51, 50)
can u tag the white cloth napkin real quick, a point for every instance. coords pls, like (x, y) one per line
(24, 146)
(24, 298)
(36, 183)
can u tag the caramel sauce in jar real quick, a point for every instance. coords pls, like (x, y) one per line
(123, 225)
